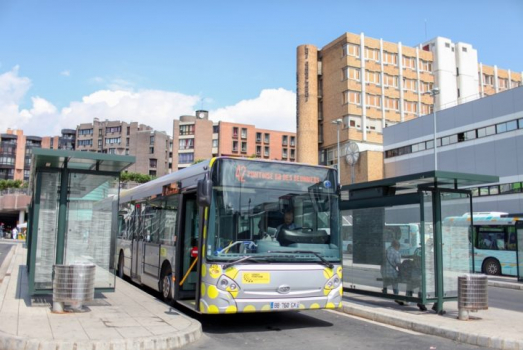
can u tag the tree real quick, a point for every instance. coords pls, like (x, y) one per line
(135, 177)
(198, 161)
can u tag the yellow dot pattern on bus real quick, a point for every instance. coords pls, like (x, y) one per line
(315, 306)
(215, 271)
(231, 272)
(213, 309)
(330, 306)
(204, 270)
(249, 308)
(212, 292)
(339, 271)
(327, 273)
(266, 308)
(202, 290)
(231, 309)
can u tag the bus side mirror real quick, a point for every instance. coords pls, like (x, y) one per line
(204, 192)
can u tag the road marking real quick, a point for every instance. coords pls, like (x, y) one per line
(376, 323)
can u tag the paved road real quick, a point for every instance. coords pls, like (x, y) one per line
(507, 299)
(323, 330)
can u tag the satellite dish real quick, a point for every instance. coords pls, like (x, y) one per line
(352, 153)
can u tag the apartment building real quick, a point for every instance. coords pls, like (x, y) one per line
(197, 137)
(358, 86)
(151, 148)
(16, 151)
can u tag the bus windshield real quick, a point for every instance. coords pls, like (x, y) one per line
(271, 211)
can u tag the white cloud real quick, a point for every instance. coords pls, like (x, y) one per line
(272, 109)
(65, 73)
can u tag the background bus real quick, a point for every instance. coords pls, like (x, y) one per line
(210, 236)
(494, 238)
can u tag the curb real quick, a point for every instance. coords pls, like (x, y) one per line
(468, 338)
(516, 286)
(7, 263)
(159, 342)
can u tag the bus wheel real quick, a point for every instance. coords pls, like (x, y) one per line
(491, 267)
(165, 284)
(120, 265)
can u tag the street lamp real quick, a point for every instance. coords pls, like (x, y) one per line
(433, 93)
(338, 122)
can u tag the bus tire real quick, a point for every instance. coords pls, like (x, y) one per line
(491, 267)
(121, 266)
(165, 284)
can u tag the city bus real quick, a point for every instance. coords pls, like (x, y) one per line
(211, 237)
(494, 237)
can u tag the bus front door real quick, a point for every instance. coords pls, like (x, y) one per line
(186, 277)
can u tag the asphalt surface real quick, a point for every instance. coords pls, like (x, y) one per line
(320, 329)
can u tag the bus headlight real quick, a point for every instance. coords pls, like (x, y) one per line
(333, 282)
(226, 284)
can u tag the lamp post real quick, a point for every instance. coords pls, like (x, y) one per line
(433, 93)
(338, 122)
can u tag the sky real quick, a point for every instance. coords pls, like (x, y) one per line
(63, 63)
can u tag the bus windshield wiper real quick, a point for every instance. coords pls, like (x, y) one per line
(242, 259)
(318, 255)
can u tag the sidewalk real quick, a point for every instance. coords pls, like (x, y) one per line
(494, 328)
(126, 319)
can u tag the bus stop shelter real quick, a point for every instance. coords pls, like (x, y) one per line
(409, 210)
(72, 215)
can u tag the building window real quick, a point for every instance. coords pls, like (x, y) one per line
(215, 129)
(425, 109)
(373, 101)
(352, 50)
(185, 158)
(111, 140)
(392, 104)
(293, 141)
(85, 132)
(284, 140)
(99, 143)
(410, 107)
(153, 163)
(235, 132)
(244, 147)
(352, 97)
(113, 129)
(85, 143)
(215, 143)
(352, 121)
(128, 130)
(266, 138)
(488, 79)
(266, 151)
(244, 133)
(111, 151)
(235, 146)
(503, 83)
(372, 54)
(258, 137)
(186, 144)
(514, 83)
(352, 73)
(409, 62)
(258, 151)
(426, 66)
(425, 87)
(410, 85)
(390, 58)
(390, 80)
(152, 172)
(151, 140)
(187, 130)
(151, 150)
(373, 77)
(284, 154)
(292, 153)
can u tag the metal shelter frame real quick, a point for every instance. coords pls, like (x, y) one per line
(424, 190)
(91, 170)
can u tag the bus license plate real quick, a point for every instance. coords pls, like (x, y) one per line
(285, 305)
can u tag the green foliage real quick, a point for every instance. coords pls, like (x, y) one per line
(5, 184)
(135, 177)
(198, 161)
